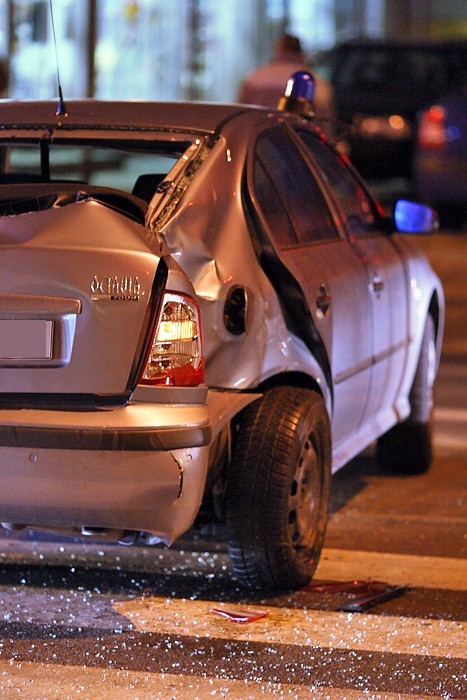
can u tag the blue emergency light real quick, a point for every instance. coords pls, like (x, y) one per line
(298, 95)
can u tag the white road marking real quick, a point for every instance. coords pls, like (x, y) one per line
(425, 638)
(299, 627)
(451, 415)
(335, 564)
(454, 442)
(450, 428)
(31, 681)
(396, 569)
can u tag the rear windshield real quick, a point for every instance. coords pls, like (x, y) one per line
(134, 168)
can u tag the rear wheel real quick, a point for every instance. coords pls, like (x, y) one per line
(406, 448)
(278, 489)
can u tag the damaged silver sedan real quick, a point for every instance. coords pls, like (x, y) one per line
(203, 313)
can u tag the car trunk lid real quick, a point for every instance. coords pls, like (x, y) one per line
(76, 296)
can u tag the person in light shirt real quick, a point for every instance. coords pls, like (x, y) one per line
(265, 85)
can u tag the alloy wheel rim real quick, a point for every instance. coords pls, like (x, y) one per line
(303, 501)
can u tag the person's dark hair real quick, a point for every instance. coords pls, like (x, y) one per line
(287, 48)
(289, 43)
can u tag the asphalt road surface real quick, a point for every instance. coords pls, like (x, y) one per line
(102, 621)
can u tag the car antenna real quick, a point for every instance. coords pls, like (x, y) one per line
(62, 110)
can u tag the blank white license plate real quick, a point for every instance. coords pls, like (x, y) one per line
(25, 339)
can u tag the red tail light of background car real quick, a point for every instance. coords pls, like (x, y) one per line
(432, 133)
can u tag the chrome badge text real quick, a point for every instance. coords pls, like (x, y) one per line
(124, 288)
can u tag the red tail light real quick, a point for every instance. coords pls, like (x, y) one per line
(432, 128)
(175, 357)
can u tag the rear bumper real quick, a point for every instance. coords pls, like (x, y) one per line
(139, 467)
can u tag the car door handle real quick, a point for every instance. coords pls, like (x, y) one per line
(377, 285)
(323, 300)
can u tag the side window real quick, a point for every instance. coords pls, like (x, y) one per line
(273, 208)
(287, 193)
(357, 207)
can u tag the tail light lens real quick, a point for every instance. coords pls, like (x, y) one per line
(175, 357)
(432, 128)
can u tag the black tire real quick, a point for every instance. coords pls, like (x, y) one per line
(407, 447)
(278, 489)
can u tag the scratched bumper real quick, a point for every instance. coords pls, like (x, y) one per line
(140, 467)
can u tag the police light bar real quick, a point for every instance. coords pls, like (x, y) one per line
(299, 93)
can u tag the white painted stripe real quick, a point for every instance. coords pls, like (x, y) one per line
(426, 519)
(452, 415)
(305, 628)
(335, 564)
(396, 569)
(31, 681)
(448, 432)
(453, 442)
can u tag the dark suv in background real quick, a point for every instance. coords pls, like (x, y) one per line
(439, 165)
(380, 87)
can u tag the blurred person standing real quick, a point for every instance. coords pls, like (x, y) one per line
(4, 78)
(266, 84)
(4, 85)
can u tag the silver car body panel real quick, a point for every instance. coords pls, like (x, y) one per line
(157, 491)
(204, 228)
(209, 238)
(147, 118)
(217, 254)
(141, 465)
(91, 266)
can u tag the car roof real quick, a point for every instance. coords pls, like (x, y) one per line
(199, 117)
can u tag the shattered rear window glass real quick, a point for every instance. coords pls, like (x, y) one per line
(108, 167)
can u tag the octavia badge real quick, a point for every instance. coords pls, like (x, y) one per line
(116, 288)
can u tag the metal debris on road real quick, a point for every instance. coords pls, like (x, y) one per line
(240, 616)
(370, 592)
